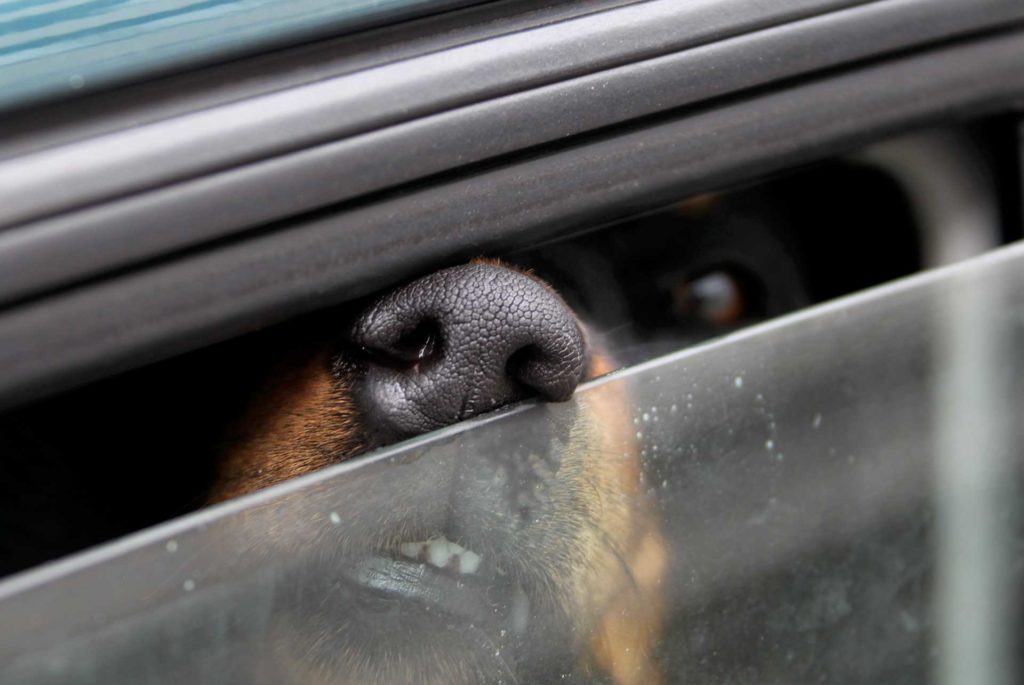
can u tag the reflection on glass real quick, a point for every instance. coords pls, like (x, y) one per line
(761, 509)
(59, 47)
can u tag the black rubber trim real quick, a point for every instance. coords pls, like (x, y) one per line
(1019, 215)
(132, 69)
(138, 317)
(47, 125)
(187, 146)
(48, 254)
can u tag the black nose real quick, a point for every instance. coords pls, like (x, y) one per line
(463, 341)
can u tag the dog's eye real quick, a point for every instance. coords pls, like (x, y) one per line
(720, 298)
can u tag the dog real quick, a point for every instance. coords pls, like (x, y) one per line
(532, 558)
(568, 532)
(558, 525)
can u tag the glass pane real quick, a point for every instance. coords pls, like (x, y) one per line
(830, 497)
(54, 47)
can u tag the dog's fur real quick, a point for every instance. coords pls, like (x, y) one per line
(591, 558)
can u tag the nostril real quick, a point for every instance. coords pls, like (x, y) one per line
(519, 359)
(553, 374)
(411, 349)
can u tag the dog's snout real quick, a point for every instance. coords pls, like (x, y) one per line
(463, 341)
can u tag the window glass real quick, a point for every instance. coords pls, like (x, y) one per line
(828, 497)
(54, 47)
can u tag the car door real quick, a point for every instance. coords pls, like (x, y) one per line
(783, 520)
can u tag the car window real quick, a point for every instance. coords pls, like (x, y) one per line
(768, 488)
(822, 498)
(60, 47)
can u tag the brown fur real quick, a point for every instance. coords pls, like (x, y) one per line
(623, 640)
(302, 421)
(307, 419)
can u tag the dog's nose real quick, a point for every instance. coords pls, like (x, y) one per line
(463, 341)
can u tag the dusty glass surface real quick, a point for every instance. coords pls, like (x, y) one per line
(54, 47)
(830, 497)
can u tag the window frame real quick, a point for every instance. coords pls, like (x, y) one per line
(117, 254)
